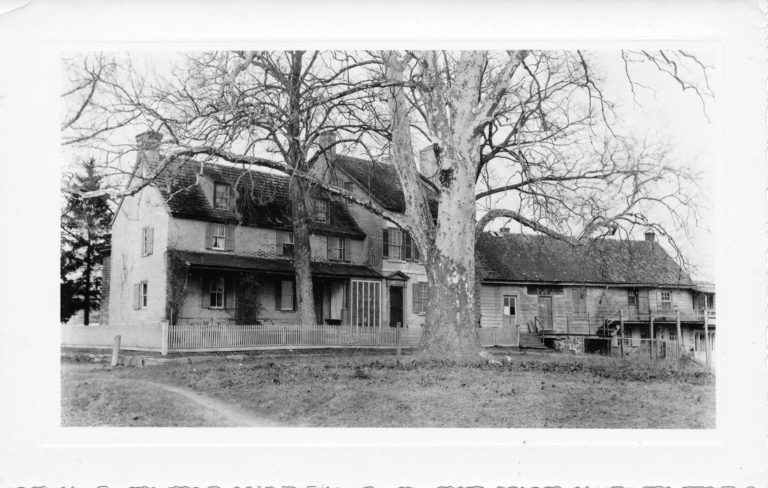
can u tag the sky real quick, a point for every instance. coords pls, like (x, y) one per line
(664, 112)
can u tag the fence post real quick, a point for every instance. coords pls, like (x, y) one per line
(115, 350)
(621, 326)
(164, 338)
(679, 334)
(397, 340)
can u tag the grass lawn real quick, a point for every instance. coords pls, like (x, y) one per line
(365, 390)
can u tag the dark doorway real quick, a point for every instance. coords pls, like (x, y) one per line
(395, 306)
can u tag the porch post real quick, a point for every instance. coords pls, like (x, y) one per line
(706, 337)
(651, 329)
(621, 326)
(679, 334)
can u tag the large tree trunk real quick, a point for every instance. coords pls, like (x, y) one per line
(302, 251)
(450, 330)
(300, 200)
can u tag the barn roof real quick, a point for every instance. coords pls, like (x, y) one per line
(262, 199)
(543, 259)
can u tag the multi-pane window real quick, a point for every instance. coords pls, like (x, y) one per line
(398, 245)
(140, 295)
(666, 300)
(221, 196)
(285, 300)
(147, 238)
(337, 248)
(285, 243)
(632, 298)
(219, 236)
(216, 293)
(348, 185)
(510, 305)
(419, 298)
(320, 208)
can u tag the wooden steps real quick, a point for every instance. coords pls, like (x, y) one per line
(530, 341)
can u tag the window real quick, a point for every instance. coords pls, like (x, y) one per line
(140, 295)
(219, 237)
(419, 298)
(365, 303)
(398, 245)
(216, 293)
(580, 300)
(221, 197)
(320, 208)
(632, 298)
(666, 300)
(337, 249)
(284, 295)
(510, 305)
(147, 240)
(348, 185)
(285, 244)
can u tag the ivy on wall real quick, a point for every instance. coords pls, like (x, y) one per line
(249, 306)
(178, 279)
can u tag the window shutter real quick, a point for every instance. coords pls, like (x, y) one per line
(416, 255)
(385, 243)
(137, 296)
(293, 287)
(150, 239)
(415, 297)
(329, 245)
(208, 235)
(230, 240)
(407, 245)
(347, 242)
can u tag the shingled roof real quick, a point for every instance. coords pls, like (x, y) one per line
(262, 199)
(380, 181)
(542, 259)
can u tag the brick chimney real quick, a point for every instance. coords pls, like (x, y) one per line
(148, 156)
(428, 162)
(650, 236)
(328, 140)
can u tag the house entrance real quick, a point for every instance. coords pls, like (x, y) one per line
(545, 312)
(395, 306)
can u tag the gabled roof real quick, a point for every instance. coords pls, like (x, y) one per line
(233, 262)
(262, 199)
(536, 258)
(380, 181)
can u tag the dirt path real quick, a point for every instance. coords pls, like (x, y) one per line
(219, 413)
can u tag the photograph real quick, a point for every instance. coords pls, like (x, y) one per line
(381, 244)
(402, 238)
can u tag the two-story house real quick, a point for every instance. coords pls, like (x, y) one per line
(201, 240)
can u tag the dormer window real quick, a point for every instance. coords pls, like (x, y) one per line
(221, 197)
(320, 210)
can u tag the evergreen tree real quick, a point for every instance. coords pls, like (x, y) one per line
(84, 233)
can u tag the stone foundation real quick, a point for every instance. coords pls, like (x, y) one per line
(571, 345)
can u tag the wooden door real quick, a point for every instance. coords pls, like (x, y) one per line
(643, 301)
(545, 312)
(509, 311)
(395, 306)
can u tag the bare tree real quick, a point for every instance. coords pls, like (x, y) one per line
(543, 118)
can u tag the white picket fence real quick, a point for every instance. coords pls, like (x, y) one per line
(234, 337)
(166, 338)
